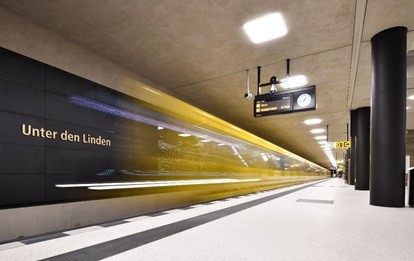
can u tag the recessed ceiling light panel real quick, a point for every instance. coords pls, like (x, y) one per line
(265, 28)
(317, 130)
(312, 121)
(320, 137)
(411, 97)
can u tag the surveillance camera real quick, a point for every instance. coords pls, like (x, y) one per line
(248, 95)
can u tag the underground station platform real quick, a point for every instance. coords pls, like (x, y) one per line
(207, 130)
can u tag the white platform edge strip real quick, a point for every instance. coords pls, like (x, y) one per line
(145, 184)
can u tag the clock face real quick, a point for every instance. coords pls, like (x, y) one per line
(304, 100)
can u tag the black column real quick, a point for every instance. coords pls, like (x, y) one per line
(362, 147)
(351, 176)
(388, 117)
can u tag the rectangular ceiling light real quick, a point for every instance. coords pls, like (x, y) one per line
(312, 121)
(317, 131)
(265, 28)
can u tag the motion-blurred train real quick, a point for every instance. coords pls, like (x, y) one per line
(67, 142)
(104, 144)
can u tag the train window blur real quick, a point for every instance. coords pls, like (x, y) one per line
(107, 144)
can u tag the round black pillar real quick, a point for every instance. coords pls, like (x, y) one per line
(388, 117)
(362, 147)
(351, 176)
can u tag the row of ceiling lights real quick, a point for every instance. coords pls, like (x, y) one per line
(273, 26)
(323, 144)
(325, 148)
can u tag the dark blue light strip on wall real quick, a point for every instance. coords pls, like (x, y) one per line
(98, 106)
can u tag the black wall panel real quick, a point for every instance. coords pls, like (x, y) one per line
(58, 108)
(70, 161)
(21, 159)
(22, 70)
(41, 97)
(65, 84)
(113, 124)
(18, 189)
(21, 99)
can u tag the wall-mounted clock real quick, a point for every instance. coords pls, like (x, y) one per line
(304, 100)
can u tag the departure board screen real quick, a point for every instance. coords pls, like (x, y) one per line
(288, 101)
(280, 103)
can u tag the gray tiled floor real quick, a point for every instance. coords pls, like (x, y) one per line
(275, 229)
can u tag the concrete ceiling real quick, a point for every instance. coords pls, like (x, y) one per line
(197, 51)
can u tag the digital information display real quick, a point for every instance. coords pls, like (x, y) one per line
(289, 101)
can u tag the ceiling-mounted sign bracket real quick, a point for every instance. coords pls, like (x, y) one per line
(281, 102)
(273, 80)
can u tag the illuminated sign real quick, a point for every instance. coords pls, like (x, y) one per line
(342, 144)
(337, 145)
(295, 100)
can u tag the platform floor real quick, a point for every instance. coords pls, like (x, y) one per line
(326, 220)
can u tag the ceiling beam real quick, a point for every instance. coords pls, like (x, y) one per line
(359, 22)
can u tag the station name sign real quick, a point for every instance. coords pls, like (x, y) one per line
(28, 130)
(288, 101)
